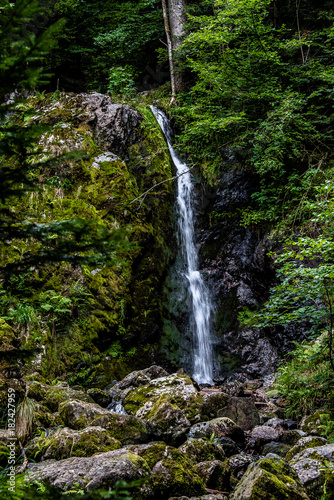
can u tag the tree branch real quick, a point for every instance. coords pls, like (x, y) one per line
(159, 184)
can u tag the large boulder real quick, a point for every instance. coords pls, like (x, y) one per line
(180, 388)
(65, 443)
(311, 423)
(90, 473)
(315, 469)
(242, 411)
(262, 435)
(269, 479)
(173, 477)
(53, 395)
(219, 427)
(165, 419)
(79, 414)
(213, 401)
(215, 474)
(126, 428)
(102, 398)
(135, 379)
(202, 450)
(305, 442)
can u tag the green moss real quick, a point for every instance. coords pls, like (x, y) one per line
(127, 429)
(175, 478)
(115, 302)
(269, 479)
(200, 450)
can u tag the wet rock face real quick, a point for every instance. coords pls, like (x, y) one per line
(235, 264)
(113, 124)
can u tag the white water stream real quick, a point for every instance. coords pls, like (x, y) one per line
(201, 305)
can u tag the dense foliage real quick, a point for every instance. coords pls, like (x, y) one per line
(259, 96)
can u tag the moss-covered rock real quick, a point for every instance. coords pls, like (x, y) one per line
(202, 450)
(292, 436)
(219, 427)
(156, 451)
(310, 423)
(126, 428)
(65, 443)
(79, 414)
(269, 479)
(100, 397)
(122, 154)
(166, 420)
(315, 469)
(101, 471)
(52, 396)
(180, 389)
(280, 449)
(212, 403)
(303, 443)
(170, 477)
(215, 474)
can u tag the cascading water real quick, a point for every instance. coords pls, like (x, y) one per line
(203, 359)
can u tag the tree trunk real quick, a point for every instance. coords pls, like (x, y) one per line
(174, 26)
(177, 19)
(170, 50)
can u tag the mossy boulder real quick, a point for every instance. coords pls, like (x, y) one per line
(100, 396)
(280, 449)
(66, 442)
(173, 477)
(166, 420)
(126, 428)
(53, 395)
(79, 414)
(269, 479)
(180, 388)
(310, 424)
(136, 379)
(305, 442)
(212, 403)
(220, 427)
(101, 471)
(215, 474)
(44, 418)
(157, 451)
(202, 450)
(315, 469)
(242, 411)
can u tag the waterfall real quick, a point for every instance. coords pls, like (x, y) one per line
(200, 315)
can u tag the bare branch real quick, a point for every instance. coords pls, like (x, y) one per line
(159, 184)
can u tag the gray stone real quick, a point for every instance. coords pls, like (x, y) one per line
(79, 414)
(306, 442)
(215, 474)
(100, 471)
(314, 466)
(269, 479)
(202, 450)
(220, 427)
(242, 411)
